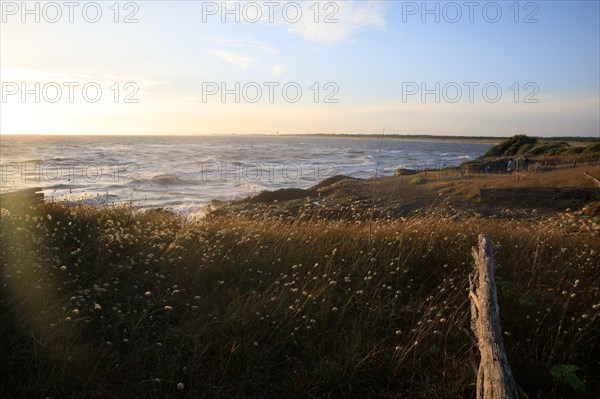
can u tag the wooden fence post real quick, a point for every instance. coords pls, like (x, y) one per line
(494, 377)
(596, 181)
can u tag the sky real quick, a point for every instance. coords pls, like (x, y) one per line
(477, 68)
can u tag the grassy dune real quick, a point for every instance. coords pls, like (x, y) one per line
(109, 303)
(532, 146)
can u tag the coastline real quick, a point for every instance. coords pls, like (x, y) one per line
(185, 171)
(424, 138)
(410, 191)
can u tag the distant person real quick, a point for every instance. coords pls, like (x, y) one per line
(488, 169)
(525, 163)
(511, 165)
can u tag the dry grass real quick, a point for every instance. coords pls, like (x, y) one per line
(562, 177)
(449, 189)
(107, 303)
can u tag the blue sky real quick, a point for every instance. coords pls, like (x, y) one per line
(373, 53)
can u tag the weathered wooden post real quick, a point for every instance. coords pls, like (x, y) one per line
(494, 377)
(596, 181)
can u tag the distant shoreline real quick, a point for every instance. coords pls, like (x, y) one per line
(575, 140)
(448, 139)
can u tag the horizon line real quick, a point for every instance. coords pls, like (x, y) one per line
(403, 135)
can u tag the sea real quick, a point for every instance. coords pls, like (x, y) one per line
(184, 173)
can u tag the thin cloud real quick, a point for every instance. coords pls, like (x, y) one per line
(326, 23)
(243, 61)
(352, 17)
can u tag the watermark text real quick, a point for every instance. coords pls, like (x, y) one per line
(54, 92)
(454, 92)
(53, 12)
(254, 92)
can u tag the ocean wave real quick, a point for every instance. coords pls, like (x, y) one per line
(163, 180)
(95, 200)
(62, 186)
(104, 199)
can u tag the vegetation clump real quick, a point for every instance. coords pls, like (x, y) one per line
(518, 144)
(532, 146)
(417, 180)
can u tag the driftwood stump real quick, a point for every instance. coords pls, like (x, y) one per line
(494, 377)
(596, 181)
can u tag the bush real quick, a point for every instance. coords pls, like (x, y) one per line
(593, 149)
(515, 145)
(417, 180)
(549, 148)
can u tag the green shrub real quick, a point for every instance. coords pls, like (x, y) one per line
(592, 149)
(565, 374)
(552, 148)
(512, 146)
